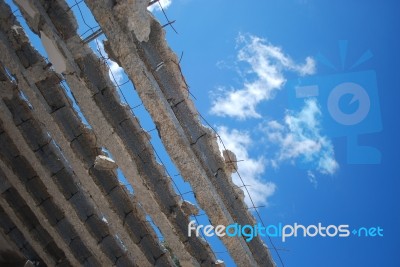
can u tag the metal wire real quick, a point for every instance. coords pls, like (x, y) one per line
(166, 17)
(245, 186)
(105, 59)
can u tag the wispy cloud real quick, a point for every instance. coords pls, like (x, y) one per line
(312, 178)
(156, 6)
(115, 72)
(250, 169)
(267, 63)
(299, 138)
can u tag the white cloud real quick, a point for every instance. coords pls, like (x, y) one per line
(156, 6)
(299, 137)
(115, 71)
(250, 169)
(267, 62)
(313, 180)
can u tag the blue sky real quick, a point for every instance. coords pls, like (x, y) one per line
(219, 61)
(243, 62)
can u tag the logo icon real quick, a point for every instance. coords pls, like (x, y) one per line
(349, 103)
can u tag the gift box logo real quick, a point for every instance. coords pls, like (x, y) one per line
(349, 103)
